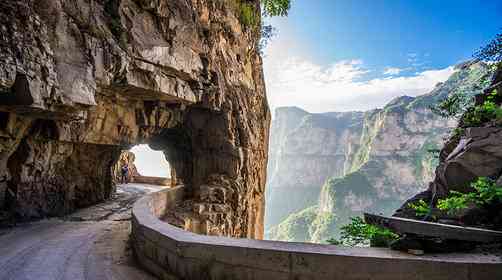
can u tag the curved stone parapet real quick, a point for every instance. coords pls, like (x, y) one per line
(172, 253)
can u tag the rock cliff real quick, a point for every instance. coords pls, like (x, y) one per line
(82, 80)
(126, 157)
(305, 150)
(336, 165)
(474, 152)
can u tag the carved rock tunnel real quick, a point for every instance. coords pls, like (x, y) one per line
(48, 174)
(80, 81)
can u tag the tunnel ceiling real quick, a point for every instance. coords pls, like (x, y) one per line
(81, 80)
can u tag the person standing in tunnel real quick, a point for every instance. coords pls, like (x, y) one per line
(125, 172)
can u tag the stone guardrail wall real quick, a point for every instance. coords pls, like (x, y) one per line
(160, 181)
(172, 253)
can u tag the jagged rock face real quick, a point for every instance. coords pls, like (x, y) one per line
(82, 80)
(388, 146)
(475, 152)
(305, 150)
(126, 157)
(376, 160)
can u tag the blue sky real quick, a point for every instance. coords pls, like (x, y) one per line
(370, 41)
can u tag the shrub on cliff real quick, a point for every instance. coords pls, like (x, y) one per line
(249, 16)
(461, 104)
(492, 51)
(485, 192)
(276, 7)
(359, 233)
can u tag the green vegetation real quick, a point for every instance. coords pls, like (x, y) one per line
(492, 51)
(461, 103)
(280, 208)
(248, 14)
(276, 7)
(457, 132)
(421, 208)
(485, 112)
(296, 227)
(456, 95)
(323, 223)
(485, 192)
(454, 203)
(249, 17)
(452, 106)
(373, 122)
(359, 233)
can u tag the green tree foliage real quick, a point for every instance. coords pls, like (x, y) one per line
(485, 112)
(453, 106)
(359, 233)
(267, 32)
(454, 203)
(421, 208)
(249, 16)
(276, 7)
(492, 51)
(457, 104)
(485, 192)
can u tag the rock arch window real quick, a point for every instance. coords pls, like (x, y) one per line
(149, 162)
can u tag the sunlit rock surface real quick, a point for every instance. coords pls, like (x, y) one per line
(81, 81)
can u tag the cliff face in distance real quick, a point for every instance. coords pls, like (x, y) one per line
(305, 150)
(82, 80)
(474, 152)
(333, 166)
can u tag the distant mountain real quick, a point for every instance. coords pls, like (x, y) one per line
(325, 168)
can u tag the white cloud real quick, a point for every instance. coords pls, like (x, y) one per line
(296, 76)
(297, 81)
(392, 71)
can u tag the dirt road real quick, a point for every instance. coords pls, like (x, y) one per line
(89, 244)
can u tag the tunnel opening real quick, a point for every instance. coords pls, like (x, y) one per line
(150, 162)
(144, 165)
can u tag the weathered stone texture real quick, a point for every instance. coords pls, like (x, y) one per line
(81, 80)
(171, 253)
(126, 157)
(476, 152)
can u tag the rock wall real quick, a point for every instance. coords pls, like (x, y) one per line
(126, 157)
(476, 151)
(305, 150)
(82, 80)
(172, 253)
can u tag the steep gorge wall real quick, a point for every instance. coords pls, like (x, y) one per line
(384, 161)
(81, 80)
(305, 150)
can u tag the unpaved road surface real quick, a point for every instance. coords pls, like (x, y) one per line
(89, 244)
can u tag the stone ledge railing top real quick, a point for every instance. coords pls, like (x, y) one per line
(169, 251)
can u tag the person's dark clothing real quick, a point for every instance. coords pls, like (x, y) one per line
(125, 171)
